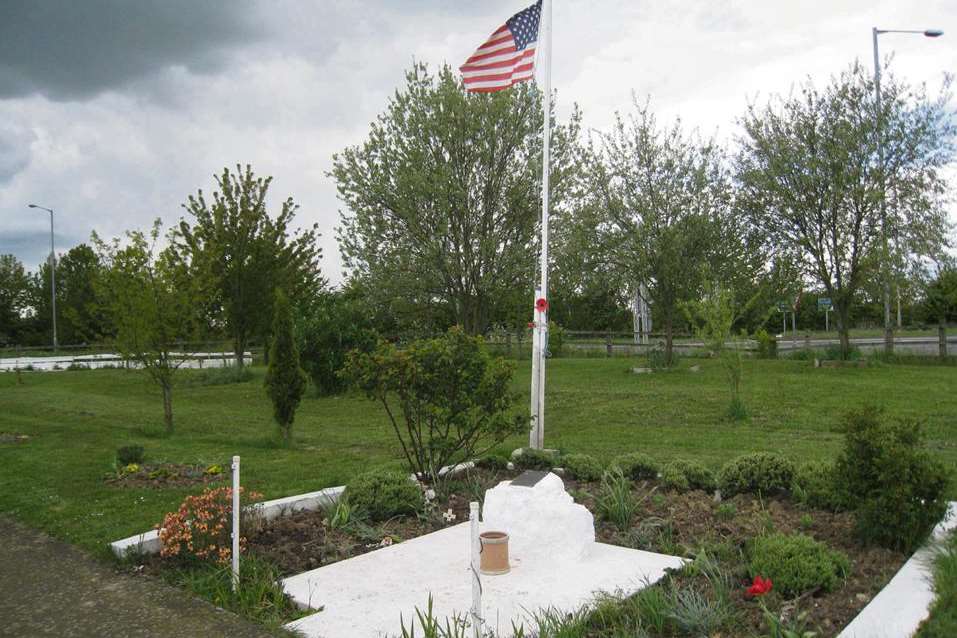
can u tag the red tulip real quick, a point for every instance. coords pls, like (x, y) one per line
(541, 304)
(759, 587)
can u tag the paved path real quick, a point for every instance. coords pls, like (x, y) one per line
(49, 588)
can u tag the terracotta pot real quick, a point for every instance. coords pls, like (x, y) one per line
(494, 553)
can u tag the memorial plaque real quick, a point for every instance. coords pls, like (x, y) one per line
(529, 478)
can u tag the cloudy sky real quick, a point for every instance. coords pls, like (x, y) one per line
(113, 111)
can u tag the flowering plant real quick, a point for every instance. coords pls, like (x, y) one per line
(200, 528)
(759, 587)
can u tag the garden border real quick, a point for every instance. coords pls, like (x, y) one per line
(149, 542)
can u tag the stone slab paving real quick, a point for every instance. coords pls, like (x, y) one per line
(49, 588)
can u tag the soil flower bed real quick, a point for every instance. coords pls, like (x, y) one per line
(692, 524)
(164, 475)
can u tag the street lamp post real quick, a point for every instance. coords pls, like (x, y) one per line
(52, 273)
(885, 274)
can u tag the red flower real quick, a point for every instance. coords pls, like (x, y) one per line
(759, 587)
(541, 304)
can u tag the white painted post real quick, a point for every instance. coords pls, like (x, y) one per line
(534, 435)
(235, 523)
(474, 565)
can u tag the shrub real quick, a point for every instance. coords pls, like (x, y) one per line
(200, 528)
(532, 459)
(814, 485)
(382, 494)
(556, 339)
(129, 454)
(767, 345)
(797, 563)
(582, 467)
(285, 381)
(895, 486)
(615, 501)
(681, 475)
(218, 376)
(336, 324)
(637, 466)
(761, 472)
(453, 397)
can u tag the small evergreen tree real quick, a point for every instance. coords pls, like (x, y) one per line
(285, 380)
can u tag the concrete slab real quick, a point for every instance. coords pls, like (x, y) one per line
(369, 595)
(899, 609)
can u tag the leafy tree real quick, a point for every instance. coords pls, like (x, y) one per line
(152, 302)
(715, 316)
(657, 203)
(78, 319)
(14, 299)
(941, 302)
(285, 380)
(811, 178)
(446, 398)
(337, 323)
(245, 254)
(443, 198)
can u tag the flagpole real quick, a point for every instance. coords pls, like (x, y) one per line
(540, 338)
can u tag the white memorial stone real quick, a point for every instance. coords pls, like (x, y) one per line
(542, 522)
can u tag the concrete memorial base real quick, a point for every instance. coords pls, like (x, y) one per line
(555, 564)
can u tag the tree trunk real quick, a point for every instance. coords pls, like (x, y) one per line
(844, 331)
(168, 407)
(239, 348)
(942, 339)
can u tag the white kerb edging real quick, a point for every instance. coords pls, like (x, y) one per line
(899, 609)
(149, 542)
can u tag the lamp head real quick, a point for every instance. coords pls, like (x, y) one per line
(933, 33)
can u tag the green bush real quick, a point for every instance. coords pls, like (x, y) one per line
(447, 399)
(285, 381)
(682, 475)
(615, 501)
(556, 339)
(814, 485)
(129, 454)
(532, 459)
(797, 563)
(382, 494)
(637, 466)
(582, 467)
(760, 472)
(767, 345)
(895, 487)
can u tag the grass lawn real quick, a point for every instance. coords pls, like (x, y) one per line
(76, 420)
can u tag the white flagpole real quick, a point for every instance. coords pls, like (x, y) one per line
(540, 339)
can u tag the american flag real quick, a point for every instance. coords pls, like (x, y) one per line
(507, 57)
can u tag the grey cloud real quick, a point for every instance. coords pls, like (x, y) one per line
(65, 49)
(14, 150)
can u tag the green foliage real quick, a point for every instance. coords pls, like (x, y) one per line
(556, 339)
(941, 296)
(808, 169)
(453, 397)
(439, 207)
(285, 381)
(695, 614)
(532, 459)
(129, 454)
(637, 466)
(14, 299)
(583, 467)
(382, 494)
(615, 501)
(726, 511)
(815, 485)
(259, 596)
(432, 627)
(335, 324)
(340, 515)
(896, 487)
(242, 254)
(943, 613)
(756, 473)
(788, 625)
(767, 344)
(682, 475)
(153, 304)
(715, 315)
(797, 563)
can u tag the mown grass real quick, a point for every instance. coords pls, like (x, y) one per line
(76, 420)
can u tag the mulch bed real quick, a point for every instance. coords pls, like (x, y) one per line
(165, 475)
(668, 522)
